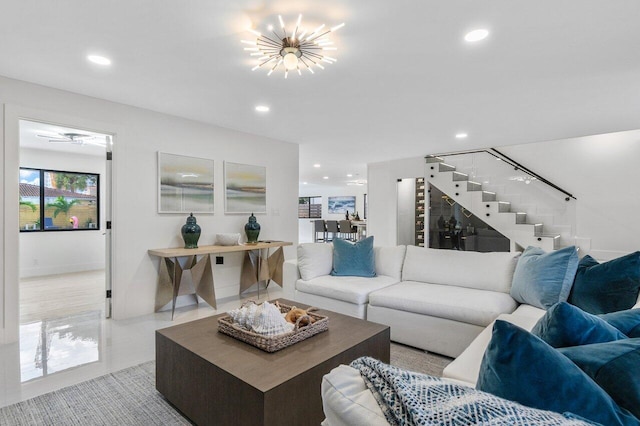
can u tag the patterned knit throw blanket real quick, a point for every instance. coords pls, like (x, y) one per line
(408, 398)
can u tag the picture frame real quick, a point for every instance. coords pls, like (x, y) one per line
(341, 204)
(185, 184)
(245, 188)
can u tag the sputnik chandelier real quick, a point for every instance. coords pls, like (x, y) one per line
(295, 51)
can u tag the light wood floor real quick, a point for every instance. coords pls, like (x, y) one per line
(55, 296)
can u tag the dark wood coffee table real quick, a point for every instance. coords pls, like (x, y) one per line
(215, 379)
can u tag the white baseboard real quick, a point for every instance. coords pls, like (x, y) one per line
(40, 271)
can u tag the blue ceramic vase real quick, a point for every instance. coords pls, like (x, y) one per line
(252, 229)
(191, 232)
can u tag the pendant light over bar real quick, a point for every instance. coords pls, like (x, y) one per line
(295, 51)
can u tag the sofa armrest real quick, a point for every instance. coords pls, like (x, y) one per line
(346, 400)
(466, 368)
(291, 274)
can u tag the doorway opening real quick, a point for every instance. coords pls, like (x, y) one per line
(64, 242)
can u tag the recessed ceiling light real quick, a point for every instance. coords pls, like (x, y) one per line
(316, 165)
(100, 60)
(262, 108)
(325, 177)
(461, 135)
(476, 35)
(304, 183)
(349, 175)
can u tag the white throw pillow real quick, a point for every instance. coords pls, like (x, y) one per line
(314, 260)
(389, 260)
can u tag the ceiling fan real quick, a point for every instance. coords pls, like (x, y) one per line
(73, 138)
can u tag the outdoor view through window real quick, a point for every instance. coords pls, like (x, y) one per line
(53, 200)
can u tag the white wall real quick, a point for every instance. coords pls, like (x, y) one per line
(137, 226)
(601, 171)
(45, 253)
(382, 181)
(305, 227)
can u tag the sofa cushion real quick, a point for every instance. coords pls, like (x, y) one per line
(482, 271)
(389, 260)
(611, 286)
(567, 325)
(543, 279)
(615, 366)
(471, 306)
(314, 260)
(627, 321)
(353, 259)
(523, 368)
(348, 289)
(530, 312)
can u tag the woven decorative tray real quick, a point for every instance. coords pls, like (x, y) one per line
(274, 343)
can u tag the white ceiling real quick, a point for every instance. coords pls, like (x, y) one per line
(49, 137)
(405, 81)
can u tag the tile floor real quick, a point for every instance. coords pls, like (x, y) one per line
(80, 344)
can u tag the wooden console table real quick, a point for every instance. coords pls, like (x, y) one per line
(254, 269)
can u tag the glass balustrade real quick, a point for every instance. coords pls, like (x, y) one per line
(536, 199)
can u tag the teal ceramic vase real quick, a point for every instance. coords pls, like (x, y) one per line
(252, 229)
(191, 232)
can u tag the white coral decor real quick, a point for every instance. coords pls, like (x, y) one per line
(264, 319)
(269, 321)
(245, 315)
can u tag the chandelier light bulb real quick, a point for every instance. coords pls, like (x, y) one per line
(290, 61)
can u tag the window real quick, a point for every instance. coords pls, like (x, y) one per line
(52, 200)
(310, 207)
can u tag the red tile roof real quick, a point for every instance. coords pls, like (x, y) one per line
(28, 190)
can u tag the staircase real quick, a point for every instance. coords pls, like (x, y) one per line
(485, 205)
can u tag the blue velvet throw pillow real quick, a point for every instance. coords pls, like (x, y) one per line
(600, 288)
(567, 325)
(627, 321)
(615, 366)
(353, 259)
(521, 367)
(543, 279)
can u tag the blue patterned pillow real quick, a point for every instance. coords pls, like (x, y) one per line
(354, 259)
(567, 325)
(543, 279)
(521, 367)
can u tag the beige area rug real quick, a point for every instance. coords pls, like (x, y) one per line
(418, 360)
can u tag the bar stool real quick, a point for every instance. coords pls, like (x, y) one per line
(319, 228)
(332, 228)
(346, 230)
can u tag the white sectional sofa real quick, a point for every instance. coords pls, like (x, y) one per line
(446, 302)
(432, 299)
